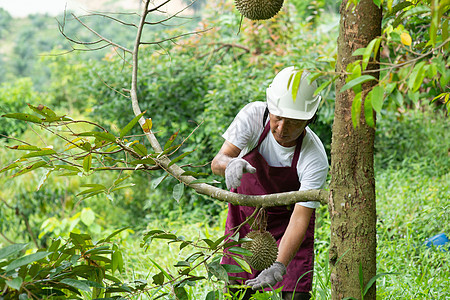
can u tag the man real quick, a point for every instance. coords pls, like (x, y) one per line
(269, 149)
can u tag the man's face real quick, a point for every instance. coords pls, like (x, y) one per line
(286, 131)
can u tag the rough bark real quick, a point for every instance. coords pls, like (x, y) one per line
(352, 198)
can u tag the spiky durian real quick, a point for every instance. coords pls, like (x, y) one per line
(259, 9)
(264, 249)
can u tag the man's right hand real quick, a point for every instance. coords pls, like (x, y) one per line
(234, 171)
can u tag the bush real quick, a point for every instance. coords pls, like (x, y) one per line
(14, 98)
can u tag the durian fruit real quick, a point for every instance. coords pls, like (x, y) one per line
(263, 247)
(258, 9)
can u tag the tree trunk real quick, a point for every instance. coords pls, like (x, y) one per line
(352, 199)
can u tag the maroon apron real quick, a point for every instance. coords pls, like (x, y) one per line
(271, 180)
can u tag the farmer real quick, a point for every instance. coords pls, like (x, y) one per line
(269, 149)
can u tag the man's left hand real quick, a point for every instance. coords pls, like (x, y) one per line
(268, 277)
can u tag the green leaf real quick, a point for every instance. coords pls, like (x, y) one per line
(130, 125)
(158, 279)
(178, 191)
(377, 98)
(240, 251)
(93, 189)
(10, 250)
(145, 161)
(434, 26)
(109, 237)
(417, 76)
(368, 52)
(117, 261)
(87, 163)
(192, 173)
(25, 260)
(377, 3)
(158, 180)
(180, 157)
(15, 283)
(218, 271)
(167, 275)
(166, 236)
(211, 295)
(359, 52)
(181, 293)
(67, 167)
(43, 111)
(24, 117)
(323, 86)
(232, 268)
(105, 136)
(9, 167)
(24, 147)
(242, 263)
(184, 244)
(39, 153)
(30, 168)
(78, 284)
(368, 110)
(170, 140)
(122, 187)
(296, 84)
(140, 149)
(357, 81)
(356, 110)
(445, 33)
(398, 7)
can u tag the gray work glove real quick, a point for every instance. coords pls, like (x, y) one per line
(234, 171)
(268, 277)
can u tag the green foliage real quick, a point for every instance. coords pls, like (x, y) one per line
(13, 99)
(411, 78)
(75, 268)
(5, 22)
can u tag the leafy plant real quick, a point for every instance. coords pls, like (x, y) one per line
(74, 268)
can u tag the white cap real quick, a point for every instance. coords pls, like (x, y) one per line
(279, 95)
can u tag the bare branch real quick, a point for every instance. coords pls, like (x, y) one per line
(172, 16)
(133, 92)
(101, 37)
(156, 8)
(111, 18)
(174, 37)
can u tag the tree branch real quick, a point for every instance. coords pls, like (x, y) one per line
(133, 91)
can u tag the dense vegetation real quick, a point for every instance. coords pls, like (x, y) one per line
(204, 80)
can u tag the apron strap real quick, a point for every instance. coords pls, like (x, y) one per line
(298, 148)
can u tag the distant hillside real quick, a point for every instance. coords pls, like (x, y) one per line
(128, 5)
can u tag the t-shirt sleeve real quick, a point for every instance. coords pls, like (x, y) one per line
(314, 174)
(244, 131)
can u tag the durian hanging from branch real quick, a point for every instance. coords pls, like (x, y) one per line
(258, 9)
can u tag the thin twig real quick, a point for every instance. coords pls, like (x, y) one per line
(174, 37)
(101, 37)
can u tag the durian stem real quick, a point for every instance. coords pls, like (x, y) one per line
(261, 220)
(257, 209)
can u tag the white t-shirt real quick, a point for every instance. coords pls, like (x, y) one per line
(312, 167)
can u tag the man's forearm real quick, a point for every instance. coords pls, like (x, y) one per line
(294, 234)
